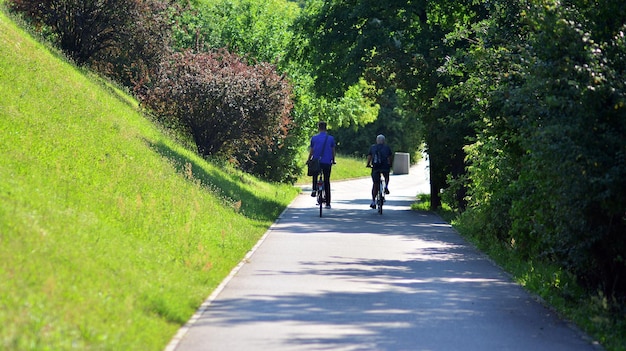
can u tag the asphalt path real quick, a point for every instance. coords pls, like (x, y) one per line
(357, 280)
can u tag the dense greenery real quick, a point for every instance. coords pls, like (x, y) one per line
(546, 170)
(259, 32)
(257, 29)
(399, 47)
(132, 43)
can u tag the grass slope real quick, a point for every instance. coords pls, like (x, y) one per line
(111, 234)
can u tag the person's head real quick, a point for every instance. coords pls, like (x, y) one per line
(321, 126)
(380, 139)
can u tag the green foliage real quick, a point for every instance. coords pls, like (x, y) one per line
(576, 142)
(357, 107)
(346, 40)
(399, 46)
(260, 30)
(422, 203)
(402, 129)
(129, 43)
(547, 166)
(111, 235)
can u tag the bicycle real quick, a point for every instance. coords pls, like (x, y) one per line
(321, 191)
(380, 197)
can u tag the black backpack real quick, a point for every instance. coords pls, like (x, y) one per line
(377, 157)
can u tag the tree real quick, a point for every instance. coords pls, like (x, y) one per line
(395, 44)
(260, 30)
(574, 134)
(401, 127)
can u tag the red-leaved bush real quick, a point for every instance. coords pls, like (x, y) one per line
(230, 108)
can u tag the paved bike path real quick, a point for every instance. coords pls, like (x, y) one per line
(357, 280)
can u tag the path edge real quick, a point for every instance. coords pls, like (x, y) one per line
(182, 331)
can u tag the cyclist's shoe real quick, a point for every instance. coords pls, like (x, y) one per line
(386, 191)
(373, 204)
(327, 206)
(314, 193)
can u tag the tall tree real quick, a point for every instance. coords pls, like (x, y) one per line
(395, 44)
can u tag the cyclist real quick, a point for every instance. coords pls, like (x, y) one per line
(379, 158)
(322, 147)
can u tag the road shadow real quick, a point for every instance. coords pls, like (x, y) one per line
(357, 280)
(442, 290)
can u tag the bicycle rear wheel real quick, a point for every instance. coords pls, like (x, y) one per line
(320, 191)
(380, 197)
(320, 197)
(320, 200)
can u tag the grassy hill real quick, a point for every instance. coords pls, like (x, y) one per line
(111, 234)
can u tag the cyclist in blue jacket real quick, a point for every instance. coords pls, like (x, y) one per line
(322, 147)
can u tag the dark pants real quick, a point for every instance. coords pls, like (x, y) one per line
(325, 168)
(375, 179)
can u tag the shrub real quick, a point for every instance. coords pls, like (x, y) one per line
(547, 169)
(230, 108)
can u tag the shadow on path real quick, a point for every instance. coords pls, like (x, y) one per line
(357, 280)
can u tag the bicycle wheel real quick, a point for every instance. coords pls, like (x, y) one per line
(320, 198)
(320, 201)
(380, 197)
(320, 192)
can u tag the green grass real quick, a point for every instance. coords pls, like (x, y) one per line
(422, 203)
(111, 234)
(347, 167)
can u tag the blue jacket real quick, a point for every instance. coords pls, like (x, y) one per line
(317, 142)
